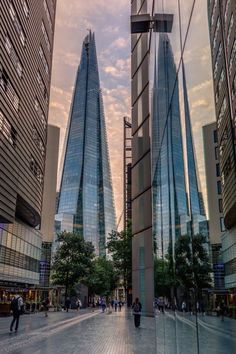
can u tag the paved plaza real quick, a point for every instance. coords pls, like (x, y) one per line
(87, 332)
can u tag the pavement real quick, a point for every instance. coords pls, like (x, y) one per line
(84, 333)
(87, 332)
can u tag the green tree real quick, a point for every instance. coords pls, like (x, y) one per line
(102, 279)
(192, 264)
(119, 245)
(163, 277)
(72, 261)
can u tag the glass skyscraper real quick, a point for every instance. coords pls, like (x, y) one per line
(86, 196)
(175, 203)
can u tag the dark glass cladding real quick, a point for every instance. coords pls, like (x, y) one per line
(16, 259)
(24, 90)
(222, 28)
(86, 188)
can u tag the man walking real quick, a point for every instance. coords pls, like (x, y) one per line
(67, 304)
(16, 308)
(137, 307)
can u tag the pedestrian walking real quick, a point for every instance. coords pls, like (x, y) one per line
(16, 308)
(46, 304)
(137, 308)
(103, 304)
(183, 306)
(120, 305)
(222, 310)
(79, 304)
(116, 304)
(67, 304)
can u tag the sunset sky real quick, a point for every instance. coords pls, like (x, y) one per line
(110, 22)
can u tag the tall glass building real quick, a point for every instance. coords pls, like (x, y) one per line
(177, 206)
(86, 196)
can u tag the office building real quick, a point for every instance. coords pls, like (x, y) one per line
(26, 46)
(86, 197)
(142, 248)
(215, 207)
(222, 30)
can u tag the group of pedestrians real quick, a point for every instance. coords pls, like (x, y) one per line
(17, 309)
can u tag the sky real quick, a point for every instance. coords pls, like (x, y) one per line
(109, 19)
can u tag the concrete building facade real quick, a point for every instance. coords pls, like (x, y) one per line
(26, 47)
(215, 208)
(49, 202)
(222, 29)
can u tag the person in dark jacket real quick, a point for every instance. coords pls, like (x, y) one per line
(137, 308)
(67, 304)
(16, 308)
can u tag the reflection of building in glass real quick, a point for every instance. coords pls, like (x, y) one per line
(86, 191)
(127, 171)
(172, 209)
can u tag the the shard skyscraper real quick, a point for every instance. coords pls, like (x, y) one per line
(177, 206)
(86, 201)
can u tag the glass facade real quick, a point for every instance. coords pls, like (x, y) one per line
(86, 188)
(20, 253)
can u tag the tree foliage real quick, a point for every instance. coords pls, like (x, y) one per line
(72, 261)
(192, 264)
(102, 279)
(119, 245)
(163, 277)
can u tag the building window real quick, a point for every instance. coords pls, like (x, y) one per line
(226, 10)
(47, 14)
(34, 167)
(234, 87)
(14, 58)
(7, 130)
(44, 61)
(230, 28)
(7, 87)
(222, 112)
(218, 170)
(226, 170)
(222, 225)
(220, 206)
(46, 37)
(221, 80)
(216, 33)
(25, 7)
(38, 141)
(42, 87)
(40, 113)
(219, 189)
(17, 23)
(215, 136)
(232, 57)
(216, 153)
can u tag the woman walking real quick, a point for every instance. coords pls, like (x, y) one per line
(137, 307)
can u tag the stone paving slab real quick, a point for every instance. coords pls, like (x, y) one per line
(91, 333)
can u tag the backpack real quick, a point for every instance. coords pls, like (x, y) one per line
(14, 304)
(136, 307)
